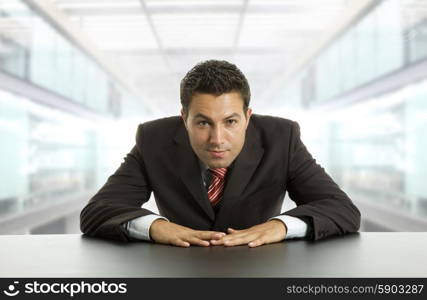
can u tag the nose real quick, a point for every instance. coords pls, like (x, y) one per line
(216, 136)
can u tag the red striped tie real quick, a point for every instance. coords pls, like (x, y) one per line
(217, 185)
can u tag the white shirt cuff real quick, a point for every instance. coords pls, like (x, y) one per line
(297, 228)
(139, 228)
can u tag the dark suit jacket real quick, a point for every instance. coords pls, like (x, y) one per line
(273, 160)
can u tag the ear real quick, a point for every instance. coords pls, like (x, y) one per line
(184, 117)
(248, 116)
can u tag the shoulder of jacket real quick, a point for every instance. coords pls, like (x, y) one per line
(155, 129)
(163, 123)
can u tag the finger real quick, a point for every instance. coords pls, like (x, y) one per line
(232, 235)
(209, 235)
(217, 242)
(218, 235)
(198, 242)
(237, 241)
(256, 243)
(240, 238)
(231, 230)
(180, 243)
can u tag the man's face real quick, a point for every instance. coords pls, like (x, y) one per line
(216, 126)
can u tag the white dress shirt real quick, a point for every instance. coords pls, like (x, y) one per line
(139, 228)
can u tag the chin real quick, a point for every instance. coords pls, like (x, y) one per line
(218, 164)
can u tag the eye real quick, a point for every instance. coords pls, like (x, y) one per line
(231, 121)
(202, 123)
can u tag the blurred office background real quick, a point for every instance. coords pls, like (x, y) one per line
(77, 76)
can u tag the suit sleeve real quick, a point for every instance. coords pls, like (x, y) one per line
(320, 202)
(119, 200)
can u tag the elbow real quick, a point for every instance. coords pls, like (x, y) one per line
(354, 217)
(85, 221)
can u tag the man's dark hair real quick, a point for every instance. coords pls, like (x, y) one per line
(214, 77)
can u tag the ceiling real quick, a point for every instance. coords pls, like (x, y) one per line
(157, 41)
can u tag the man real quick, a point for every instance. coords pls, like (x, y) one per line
(219, 175)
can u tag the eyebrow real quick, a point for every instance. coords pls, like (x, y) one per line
(233, 115)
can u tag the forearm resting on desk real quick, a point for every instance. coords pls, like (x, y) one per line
(140, 228)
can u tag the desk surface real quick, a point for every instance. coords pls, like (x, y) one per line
(357, 255)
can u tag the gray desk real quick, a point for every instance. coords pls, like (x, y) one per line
(357, 255)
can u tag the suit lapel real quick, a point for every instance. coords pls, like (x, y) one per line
(189, 170)
(244, 167)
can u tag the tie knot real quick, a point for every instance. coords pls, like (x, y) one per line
(218, 172)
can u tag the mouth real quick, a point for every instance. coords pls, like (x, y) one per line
(217, 154)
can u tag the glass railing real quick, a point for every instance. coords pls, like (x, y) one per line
(48, 154)
(33, 49)
(373, 147)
